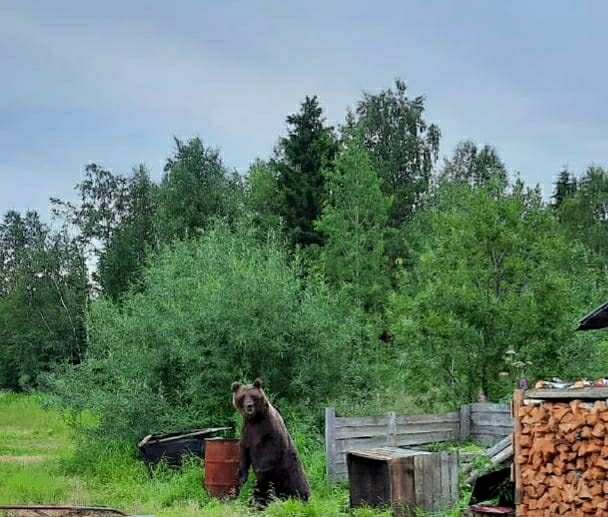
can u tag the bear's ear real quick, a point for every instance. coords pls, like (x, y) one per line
(235, 386)
(257, 383)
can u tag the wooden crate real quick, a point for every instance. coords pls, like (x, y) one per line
(404, 479)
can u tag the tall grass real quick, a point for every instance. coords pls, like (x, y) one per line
(40, 464)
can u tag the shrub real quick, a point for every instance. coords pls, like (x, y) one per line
(213, 310)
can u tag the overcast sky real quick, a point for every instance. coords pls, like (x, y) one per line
(113, 81)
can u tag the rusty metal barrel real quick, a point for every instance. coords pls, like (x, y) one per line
(222, 467)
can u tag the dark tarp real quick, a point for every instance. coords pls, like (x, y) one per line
(596, 319)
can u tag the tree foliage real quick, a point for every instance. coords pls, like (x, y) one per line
(309, 148)
(475, 166)
(493, 273)
(42, 302)
(584, 210)
(262, 196)
(403, 146)
(219, 308)
(196, 188)
(353, 224)
(565, 187)
(341, 268)
(101, 207)
(122, 261)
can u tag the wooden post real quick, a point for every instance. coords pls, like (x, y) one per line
(391, 429)
(518, 399)
(330, 441)
(465, 421)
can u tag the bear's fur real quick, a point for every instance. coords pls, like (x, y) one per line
(268, 447)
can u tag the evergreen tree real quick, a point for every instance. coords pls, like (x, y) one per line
(565, 187)
(585, 213)
(353, 224)
(308, 149)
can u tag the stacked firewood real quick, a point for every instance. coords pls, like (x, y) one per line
(562, 458)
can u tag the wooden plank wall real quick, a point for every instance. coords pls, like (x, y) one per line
(436, 481)
(486, 423)
(490, 423)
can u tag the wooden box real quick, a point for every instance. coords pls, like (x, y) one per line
(404, 479)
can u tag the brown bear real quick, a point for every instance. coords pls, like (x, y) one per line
(267, 446)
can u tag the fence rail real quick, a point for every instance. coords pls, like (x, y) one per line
(486, 423)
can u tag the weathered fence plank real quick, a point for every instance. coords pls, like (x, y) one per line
(422, 438)
(506, 442)
(428, 418)
(465, 421)
(487, 418)
(490, 422)
(330, 442)
(355, 431)
(342, 446)
(489, 407)
(360, 420)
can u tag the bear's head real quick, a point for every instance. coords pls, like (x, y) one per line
(250, 400)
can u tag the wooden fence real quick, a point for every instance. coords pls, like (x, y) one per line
(486, 423)
(489, 423)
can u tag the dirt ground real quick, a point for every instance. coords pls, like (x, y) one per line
(52, 512)
(30, 458)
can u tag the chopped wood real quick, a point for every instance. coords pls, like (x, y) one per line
(561, 460)
(595, 489)
(598, 431)
(558, 412)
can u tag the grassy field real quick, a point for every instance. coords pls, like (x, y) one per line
(39, 465)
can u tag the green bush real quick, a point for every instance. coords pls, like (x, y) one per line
(213, 310)
(493, 295)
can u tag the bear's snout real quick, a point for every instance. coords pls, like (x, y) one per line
(249, 405)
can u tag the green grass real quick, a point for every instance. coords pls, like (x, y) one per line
(39, 464)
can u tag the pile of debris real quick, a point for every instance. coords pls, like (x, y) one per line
(556, 383)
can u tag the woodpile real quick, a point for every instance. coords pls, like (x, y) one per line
(561, 457)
